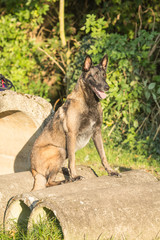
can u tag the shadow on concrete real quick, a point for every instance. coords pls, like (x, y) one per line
(22, 160)
(124, 169)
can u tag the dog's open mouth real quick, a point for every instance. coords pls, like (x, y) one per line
(100, 94)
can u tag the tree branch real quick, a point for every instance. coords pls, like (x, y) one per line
(58, 65)
(61, 22)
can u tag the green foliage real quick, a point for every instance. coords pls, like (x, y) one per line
(133, 78)
(128, 17)
(44, 229)
(28, 27)
(128, 31)
(18, 49)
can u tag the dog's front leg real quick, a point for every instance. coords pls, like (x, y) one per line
(71, 143)
(97, 138)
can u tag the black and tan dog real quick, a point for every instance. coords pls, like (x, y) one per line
(71, 128)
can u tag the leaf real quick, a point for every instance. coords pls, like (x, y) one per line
(158, 91)
(135, 123)
(83, 28)
(145, 83)
(151, 86)
(125, 120)
(154, 96)
(147, 94)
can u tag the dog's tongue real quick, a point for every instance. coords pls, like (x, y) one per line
(102, 94)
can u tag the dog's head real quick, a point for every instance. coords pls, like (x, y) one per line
(95, 76)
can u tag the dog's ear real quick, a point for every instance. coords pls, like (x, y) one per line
(87, 64)
(104, 62)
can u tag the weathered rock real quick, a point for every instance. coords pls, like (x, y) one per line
(21, 121)
(18, 183)
(97, 208)
(128, 211)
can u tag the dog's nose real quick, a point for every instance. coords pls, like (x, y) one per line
(106, 88)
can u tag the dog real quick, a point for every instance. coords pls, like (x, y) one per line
(72, 126)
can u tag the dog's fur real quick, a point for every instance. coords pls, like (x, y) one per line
(71, 128)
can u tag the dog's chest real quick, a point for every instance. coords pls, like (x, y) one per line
(85, 133)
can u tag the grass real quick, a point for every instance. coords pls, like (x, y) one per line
(45, 230)
(118, 158)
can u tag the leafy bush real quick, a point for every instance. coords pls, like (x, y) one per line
(134, 80)
(18, 49)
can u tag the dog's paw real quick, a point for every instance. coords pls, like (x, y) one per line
(114, 173)
(77, 178)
